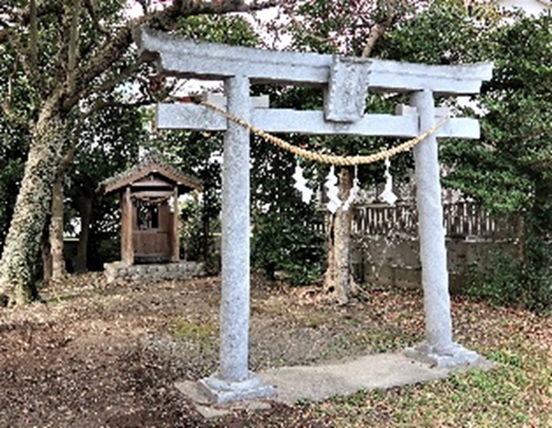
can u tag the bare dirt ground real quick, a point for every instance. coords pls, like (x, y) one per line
(96, 355)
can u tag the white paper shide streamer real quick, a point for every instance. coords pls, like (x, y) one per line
(301, 184)
(387, 195)
(332, 191)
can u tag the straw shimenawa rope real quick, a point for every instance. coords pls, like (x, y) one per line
(329, 159)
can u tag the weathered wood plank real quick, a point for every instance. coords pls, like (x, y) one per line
(175, 232)
(127, 221)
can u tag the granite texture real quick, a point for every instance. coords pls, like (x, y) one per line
(153, 272)
(234, 311)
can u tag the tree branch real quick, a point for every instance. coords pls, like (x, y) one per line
(101, 103)
(73, 46)
(23, 58)
(92, 11)
(380, 28)
(109, 84)
(33, 39)
(164, 19)
(376, 32)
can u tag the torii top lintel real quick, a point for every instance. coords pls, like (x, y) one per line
(182, 57)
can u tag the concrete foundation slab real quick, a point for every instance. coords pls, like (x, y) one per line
(316, 383)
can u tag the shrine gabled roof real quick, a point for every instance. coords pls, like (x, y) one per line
(153, 164)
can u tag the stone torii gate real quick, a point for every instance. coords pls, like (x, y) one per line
(345, 81)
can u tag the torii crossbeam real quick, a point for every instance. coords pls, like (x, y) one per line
(345, 81)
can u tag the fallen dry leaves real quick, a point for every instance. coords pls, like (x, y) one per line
(97, 355)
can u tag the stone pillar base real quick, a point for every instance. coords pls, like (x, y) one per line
(449, 356)
(220, 391)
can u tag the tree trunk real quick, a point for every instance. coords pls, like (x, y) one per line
(337, 279)
(57, 259)
(56, 231)
(46, 260)
(21, 251)
(520, 236)
(85, 209)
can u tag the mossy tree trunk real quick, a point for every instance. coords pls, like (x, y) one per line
(84, 61)
(18, 269)
(56, 231)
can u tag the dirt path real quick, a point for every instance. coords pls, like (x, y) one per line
(108, 356)
(96, 355)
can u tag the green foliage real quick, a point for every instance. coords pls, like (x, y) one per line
(506, 281)
(510, 170)
(444, 33)
(108, 144)
(227, 29)
(287, 232)
(285, 243)
(198, 234)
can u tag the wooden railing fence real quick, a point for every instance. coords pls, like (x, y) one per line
(461, 220)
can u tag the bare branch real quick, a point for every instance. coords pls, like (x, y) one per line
(101, 103)
(376, 32)
(379, 28)
(108, 84)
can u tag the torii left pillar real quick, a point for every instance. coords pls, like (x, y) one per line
(234, 381)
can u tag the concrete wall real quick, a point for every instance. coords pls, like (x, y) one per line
(395, 261)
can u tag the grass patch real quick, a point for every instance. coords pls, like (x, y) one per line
(390, 339)
(185, 329)
(517, 393)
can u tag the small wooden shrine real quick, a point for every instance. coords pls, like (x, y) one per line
(149, 210)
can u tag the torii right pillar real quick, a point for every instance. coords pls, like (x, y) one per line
(439, 348)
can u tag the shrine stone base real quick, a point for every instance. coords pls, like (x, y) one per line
(219, 391)
(119, 270)
(454, 355)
